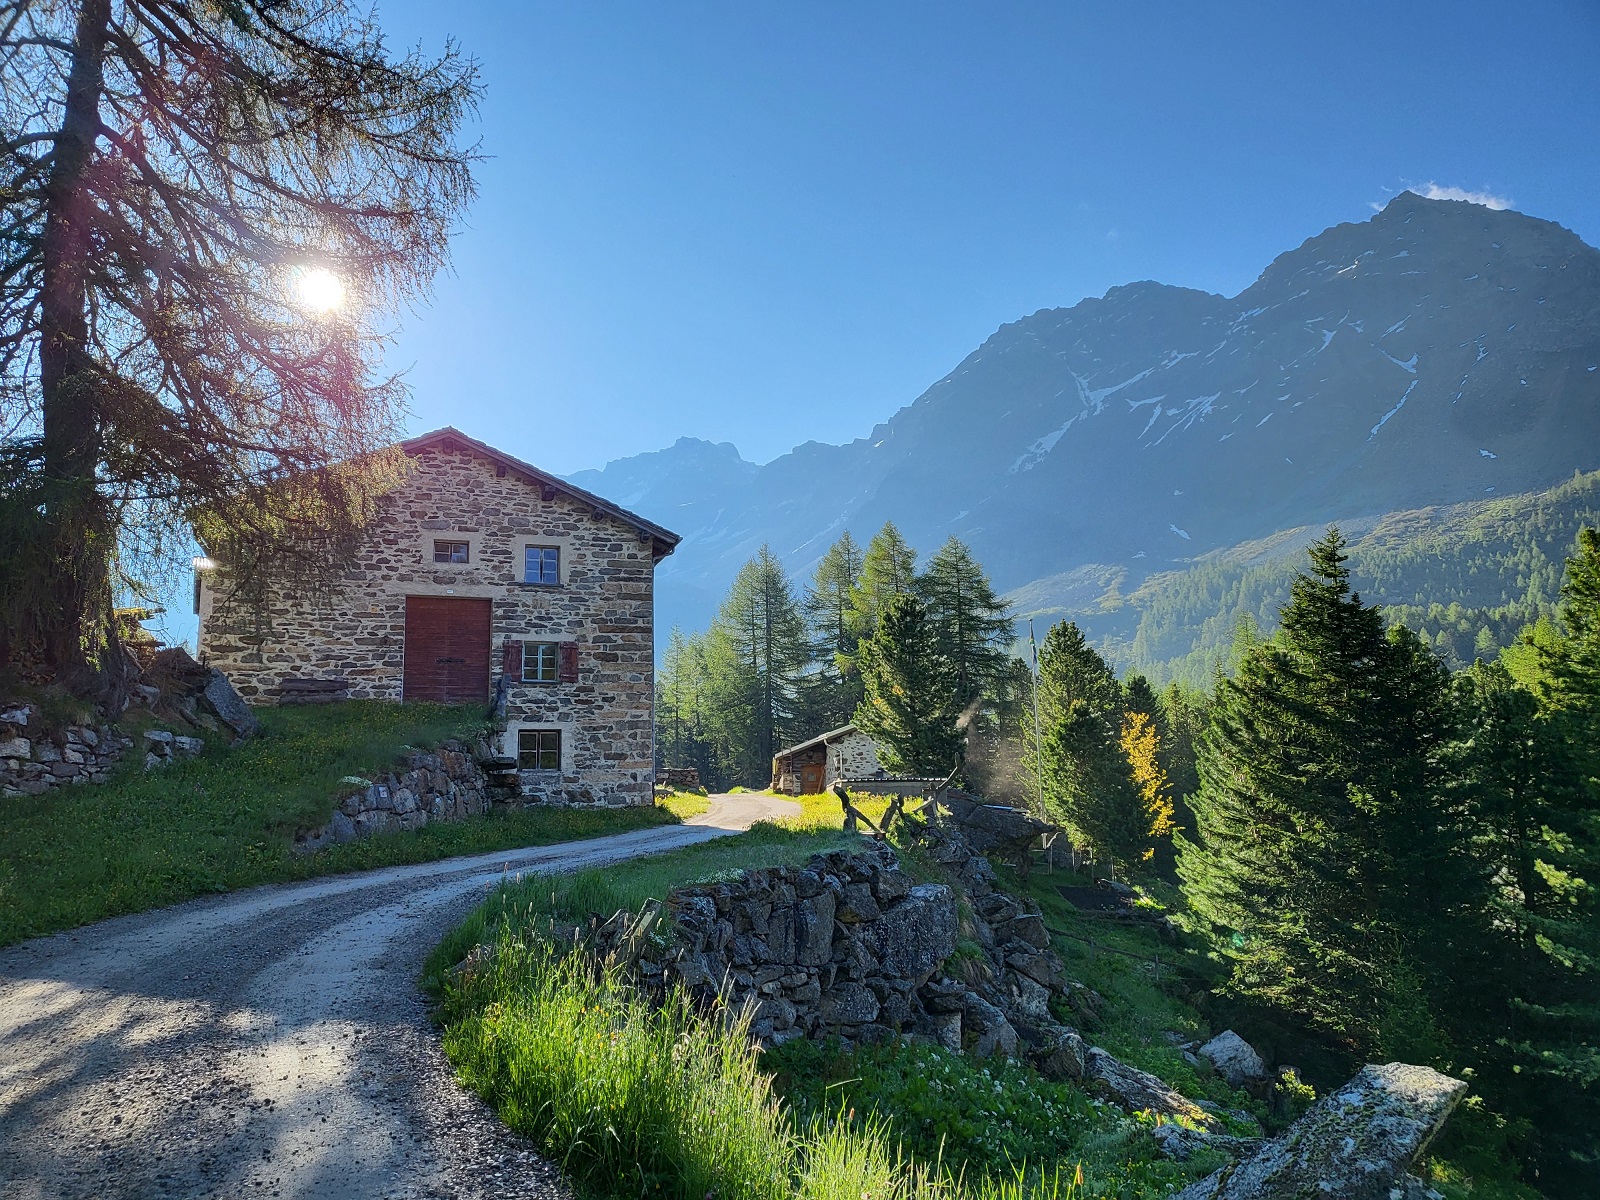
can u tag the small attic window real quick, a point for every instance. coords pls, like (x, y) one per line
(449, 552)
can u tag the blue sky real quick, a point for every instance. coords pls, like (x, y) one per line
(772, 223)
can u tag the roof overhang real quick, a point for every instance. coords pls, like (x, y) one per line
(662, 540)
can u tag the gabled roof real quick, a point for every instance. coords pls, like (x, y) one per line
(833, 735)
(663, 540)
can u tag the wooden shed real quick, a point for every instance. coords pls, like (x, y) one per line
(813, 766)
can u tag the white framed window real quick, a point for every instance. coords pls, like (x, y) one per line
(542, 565)
(541, 662)
(539, 749)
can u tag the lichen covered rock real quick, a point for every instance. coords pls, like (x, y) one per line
(1357, 1143)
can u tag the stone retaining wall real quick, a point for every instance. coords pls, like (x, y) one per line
(850, 946)
(446, 784)
(33, 760)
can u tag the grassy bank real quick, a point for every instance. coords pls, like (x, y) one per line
(227, 819)
(638, 1100)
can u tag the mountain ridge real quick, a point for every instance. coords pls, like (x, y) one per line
(1435, 353)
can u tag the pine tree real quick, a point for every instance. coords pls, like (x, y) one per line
(1087, 781)
(171, 167)
(1573, 664)
(836, 686)
(907, 709)
(756, 652)
(1071, 669)
(1183, 721)
(1325, 855)
(972, 627)
(1089, 788)
(888, 569)
(1139, 697)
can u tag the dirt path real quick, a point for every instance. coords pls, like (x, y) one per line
(269, 1043)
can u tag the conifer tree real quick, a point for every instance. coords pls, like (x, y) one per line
(1071, 669)
(888, 569)
(1183, 721)
(836, 687)
(907, 709)
(1325, 855)
(972, 627)
(1087, 781)
(171, 167)
(756, 651)
(1538, 837)
(1089, 788)
(1141, 746)
(1573, 663)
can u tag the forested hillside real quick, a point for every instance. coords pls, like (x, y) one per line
(1467, 577)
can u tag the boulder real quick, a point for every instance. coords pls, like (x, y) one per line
(1139, 1091)
(1357, 1143)
(1234, 1058)
(913, 937)
(1181, 1142)
(229, 706)
(995, 829)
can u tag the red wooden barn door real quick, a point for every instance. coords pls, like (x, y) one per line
(447, 649)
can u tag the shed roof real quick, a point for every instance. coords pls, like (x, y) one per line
(833, 735)
(664, 541)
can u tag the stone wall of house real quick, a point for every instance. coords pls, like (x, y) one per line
(854, 756)
(446, 784)
(34, 760)
(354, 630)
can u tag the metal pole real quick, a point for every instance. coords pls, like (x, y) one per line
(1038, 741)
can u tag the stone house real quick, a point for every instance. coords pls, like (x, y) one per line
(483, 580)
(816, 765)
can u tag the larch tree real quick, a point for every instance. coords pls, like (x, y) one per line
(888, 569)
(827, 607)
(1141, 746)
(180, 180)
(756, 651)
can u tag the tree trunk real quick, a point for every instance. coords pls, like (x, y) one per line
(76, 622)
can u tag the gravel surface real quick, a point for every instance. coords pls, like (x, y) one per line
(270, 1042)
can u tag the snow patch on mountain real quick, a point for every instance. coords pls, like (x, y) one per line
(1399, 404)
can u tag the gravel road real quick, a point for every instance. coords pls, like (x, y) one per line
(271, 1042)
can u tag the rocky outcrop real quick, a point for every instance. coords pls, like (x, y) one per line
(1357, 1143)
(1140, 1091)
(447, 784)
(994, 830)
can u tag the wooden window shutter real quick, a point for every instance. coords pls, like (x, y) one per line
(511, 660)
(569, 662)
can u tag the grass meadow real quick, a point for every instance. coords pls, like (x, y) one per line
(227, 818)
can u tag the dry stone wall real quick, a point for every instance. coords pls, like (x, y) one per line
(850, 946)
(446, 784)
(355, 629)
(34, 760)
